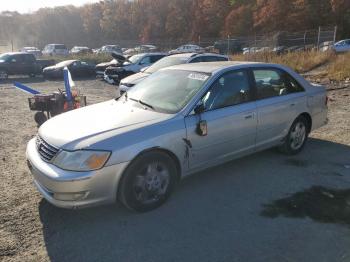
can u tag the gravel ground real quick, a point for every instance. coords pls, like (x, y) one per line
(265, 207)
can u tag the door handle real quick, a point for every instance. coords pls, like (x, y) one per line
(291, 105)
(248, 117)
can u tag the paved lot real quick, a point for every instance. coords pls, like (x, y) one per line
(265, 207)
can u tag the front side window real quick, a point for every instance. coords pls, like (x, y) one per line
(230, 89)
(274, 82)
(168, 91)
(146, 60)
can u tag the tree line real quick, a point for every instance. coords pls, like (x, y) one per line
(147, 21)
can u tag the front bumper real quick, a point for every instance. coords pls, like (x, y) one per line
(110, 79)
(69, 189)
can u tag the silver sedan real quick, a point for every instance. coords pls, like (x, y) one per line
(178, 121)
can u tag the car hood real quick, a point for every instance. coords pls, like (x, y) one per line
(106, 64)
(135, 78)
(84, 127)
(52, 68)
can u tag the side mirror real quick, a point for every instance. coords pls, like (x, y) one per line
(199, 108)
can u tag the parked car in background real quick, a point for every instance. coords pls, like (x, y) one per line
(77, 68)
(20, 63)
(326, 46)
(140, 49)
(250, 50)
(78, 50)
(342, 46)
(279, 50)
(31, 50)
(171, 60)
(108, 49)
(127, 67)
(55, 50)
(187, 49)
(178, 121)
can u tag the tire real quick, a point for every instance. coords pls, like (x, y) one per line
(40, 118)
(297, 137)
(148, 181)
(3, 74)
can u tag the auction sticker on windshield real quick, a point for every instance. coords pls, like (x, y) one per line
(198, 76)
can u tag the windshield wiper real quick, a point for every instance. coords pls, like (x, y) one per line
(145, 104)
(142, 103)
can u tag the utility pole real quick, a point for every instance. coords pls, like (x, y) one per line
(335, 34)
(228, 45)
(318, 38)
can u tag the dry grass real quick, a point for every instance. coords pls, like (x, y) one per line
(92, 58)
(299, 61)
(339, 69)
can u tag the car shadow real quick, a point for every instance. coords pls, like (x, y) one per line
(75, 78)
(23, 80)
(214, 215)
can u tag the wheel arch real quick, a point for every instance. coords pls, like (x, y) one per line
(148, 150)
(308, 117)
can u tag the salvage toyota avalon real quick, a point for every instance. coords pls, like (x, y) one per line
(178, 121)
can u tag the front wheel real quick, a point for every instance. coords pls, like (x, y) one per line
(148, 181)
(3, 74)
(297, 136)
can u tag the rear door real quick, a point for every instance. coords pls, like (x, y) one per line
(29, 64)
(278, 98)
(230, 114)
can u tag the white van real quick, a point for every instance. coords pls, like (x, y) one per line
(55, 49)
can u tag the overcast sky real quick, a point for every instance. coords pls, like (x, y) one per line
(25, 6)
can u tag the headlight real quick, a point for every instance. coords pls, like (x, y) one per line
(81, 160)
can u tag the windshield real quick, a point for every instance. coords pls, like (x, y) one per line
(134, 59)
(60, 47)
(165, 62)
(168, 91)
(4, 57)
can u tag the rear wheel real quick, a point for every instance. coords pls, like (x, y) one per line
(148, 181)
(297, 136)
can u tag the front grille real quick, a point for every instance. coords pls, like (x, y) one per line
(111, 71)
(46, 151)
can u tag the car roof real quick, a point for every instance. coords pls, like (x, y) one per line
(213, 67)
(18, 53)
(189, 55)
(153, 53)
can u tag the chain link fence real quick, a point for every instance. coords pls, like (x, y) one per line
(320, 38)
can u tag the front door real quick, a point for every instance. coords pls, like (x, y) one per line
(231, 119)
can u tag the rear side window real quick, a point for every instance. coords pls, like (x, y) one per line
(155, 58)
(274, 82)
(214, 58)
(197, 60)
